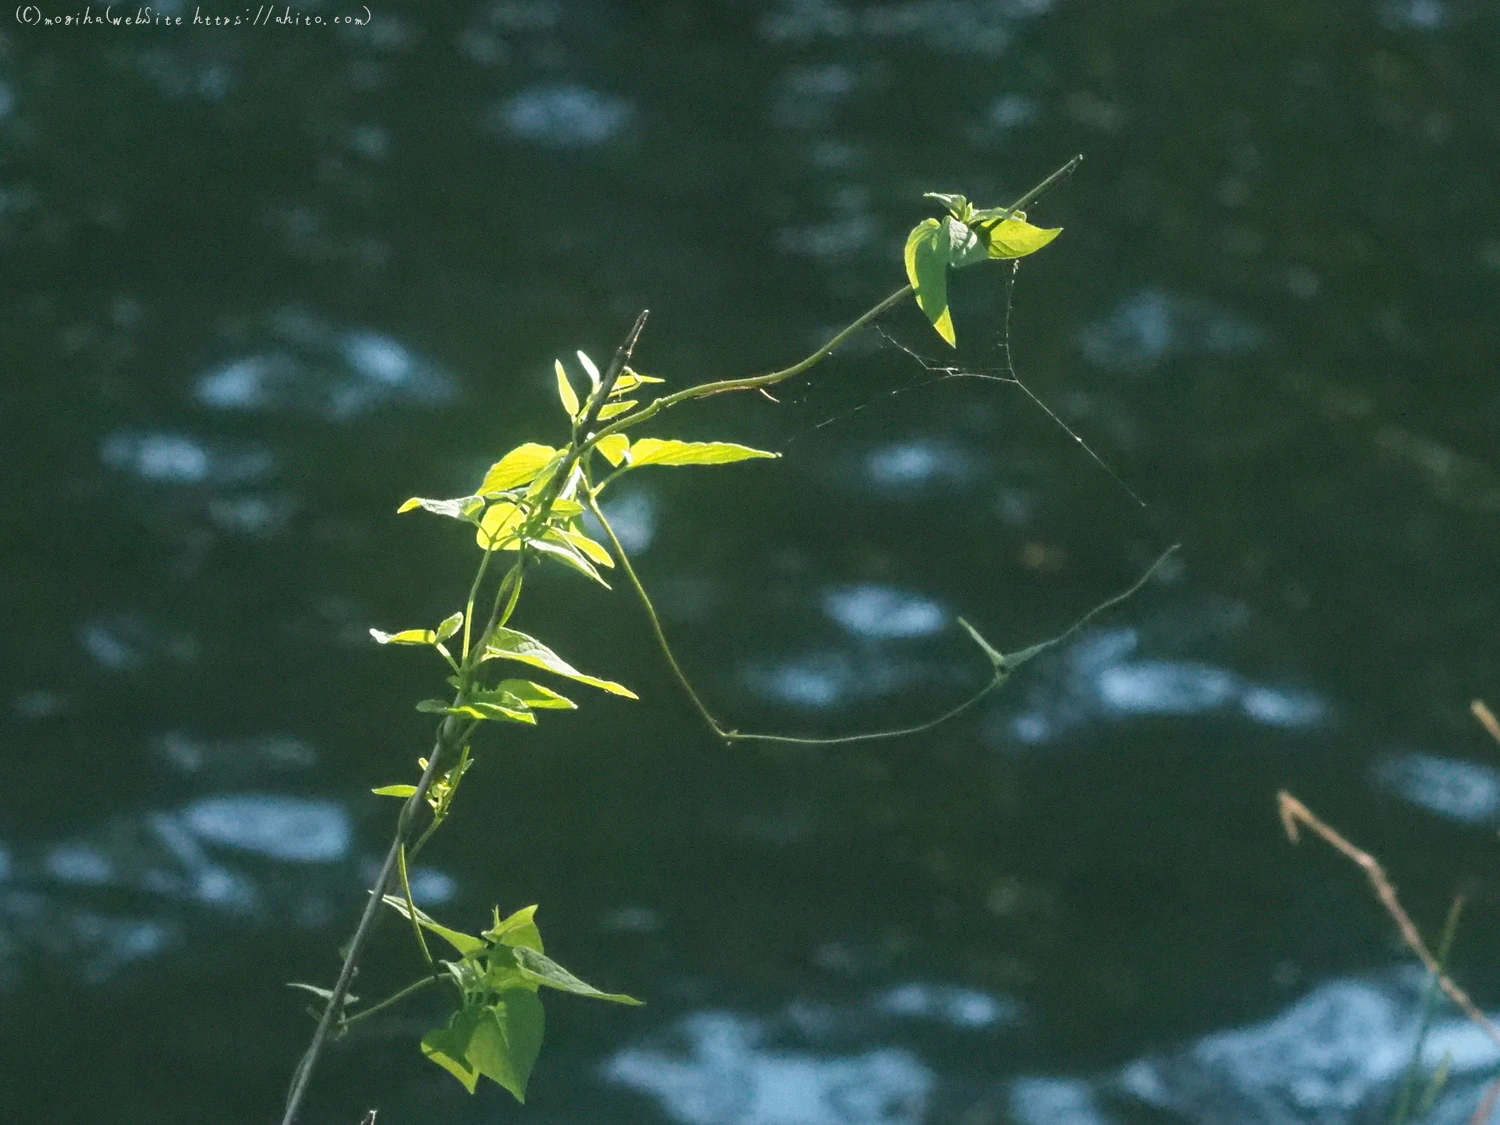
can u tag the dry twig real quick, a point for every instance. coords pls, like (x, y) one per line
(1294, 813)
(1486, 718)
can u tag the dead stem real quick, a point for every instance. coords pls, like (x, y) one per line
(1293, 813)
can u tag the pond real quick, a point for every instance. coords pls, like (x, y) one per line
(266, 282)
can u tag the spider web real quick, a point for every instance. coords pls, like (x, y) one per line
(932, 372)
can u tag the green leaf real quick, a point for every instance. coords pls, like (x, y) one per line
(517, 467)
(655, 451)
(433, 707)
(997, 658)
(405, 637)
(539, 967)
(484, 709)
(565, 390)
(535, 695)
(610, 410)
(511, 644)
(630, 379)
(589, 369)
(507, 1039)
(613, 447)
(963, 245)
(927, 270)
(592, 548)
(959, 207)
(450, 626)
(497, 530)
(566, 508)
(519, 929)
(394, 791)
(464, 943)
(447, 1046)
(553, 545)
(1015, 238)
(462, 508)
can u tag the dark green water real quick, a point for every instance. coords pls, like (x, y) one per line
(263, 284)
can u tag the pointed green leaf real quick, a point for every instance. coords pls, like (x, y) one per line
(510, 644)
(507, 1039)
(595, 550)
(497, 530)
(394, 791)
(405, 637)
(1015, 238)
(963, 245)
(613, 447)
(959, 207)
(535, 695)
(997, 658)
(566, 508)
(517, 467)
(464, 943)
(461, 508)
(565, 390)
(554, 546)
(484, 709)
(610, 410)
(655, 451)
(629, 380)
(539, 967)
(433, 707)
(590, 370)
(519, 929)
(450, 626)
(447, 1046)
(927, 270)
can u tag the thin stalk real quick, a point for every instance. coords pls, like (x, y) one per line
(390, 1001)
(755, 382)
(1429, 1010)
(362, 933)
(411, 910)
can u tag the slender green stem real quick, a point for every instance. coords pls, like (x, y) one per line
(390, 1001)
(411, 910)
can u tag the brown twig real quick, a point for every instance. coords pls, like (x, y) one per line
(1486, 718)
(1486, 1108)
(1294, 812)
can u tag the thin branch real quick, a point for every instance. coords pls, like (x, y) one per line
(1486, 718)
(1295, 813)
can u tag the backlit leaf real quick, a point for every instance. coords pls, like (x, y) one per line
(517, 467)
(535, 695)
(589, 369)
(461, 508)
(613, 447)
(630, 379)
(507, 1039)
(516, 930)
(1016, 238)
(594, 550)
(545, 971)
(447, 1046)
(927, 270)
(655, 451)
(492, 711)
(394, 791)
(963, 245)
(450, 626)
(565, 390)
(511, 644)
(497, 530)
(554, 546)
(464, 943)
(610, 410)
(405, 637)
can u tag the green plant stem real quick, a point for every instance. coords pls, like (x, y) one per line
(756, 382)
(1003, 664)
(362, 931)
(390, 1001)
(411, 908)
